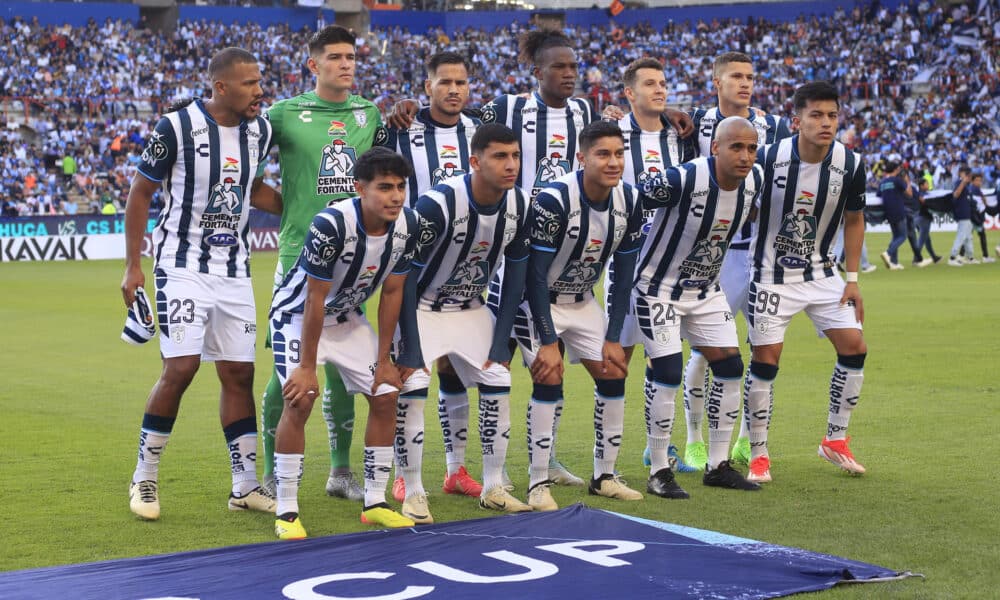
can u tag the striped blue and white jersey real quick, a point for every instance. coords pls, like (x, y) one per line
(338, 250)
(770, 129)
(801, 208)
(207, 171)
(694, 225)
(436, 151)
(548, 135)
(582, 233)
(461, 243)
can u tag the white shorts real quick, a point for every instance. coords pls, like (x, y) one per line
(770, 308)
(464, 337)
(347, 341)
(206, 315)
(663, 323)
(735, 279)
(630, 335)
(579, 325)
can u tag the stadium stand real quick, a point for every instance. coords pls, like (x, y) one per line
(79, 101)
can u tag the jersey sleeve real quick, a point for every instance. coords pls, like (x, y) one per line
(405, 261)
(160, 153)
(495, 111)
(381, 135)
(856, 191)
(633, 229)
(547, 222)
(431, 227)
(322, 247)
(781, 129)
(663, 190)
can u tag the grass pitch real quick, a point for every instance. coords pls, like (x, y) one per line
(72, 398)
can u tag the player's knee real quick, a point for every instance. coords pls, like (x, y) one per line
(449, 381)
(180, 371)
(610, 388)
(763, 370)
(730, 367)
(667, 369)
(383, 406)
(237, 374)
(852, 361)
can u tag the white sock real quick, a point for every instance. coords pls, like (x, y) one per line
(845, 389)
(378, 465)
(609, 424)
(494, 433)
(723, 406)
(288, 476)
(759, 397)
(555, 428)
(541, 415)
(151, 446)
(409, 443)
(660, 403)
(695, 384)
(453, 412)
(243, 463)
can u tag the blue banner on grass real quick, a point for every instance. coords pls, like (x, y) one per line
(574, 553)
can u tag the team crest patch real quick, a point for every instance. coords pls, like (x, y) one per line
(156, 149)
(361, 118)
(336, 169)
(762, 324)
(177, 333)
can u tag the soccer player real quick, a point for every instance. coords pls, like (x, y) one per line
(351, 249)
(437, 145)
(701, 207)
(811, 183)
(733, 79)
(319, 136)
(467, 224)
(651, 145)
(205, 156)
(578, 223)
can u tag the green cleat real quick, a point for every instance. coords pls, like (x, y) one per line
(696, 455)
(741, 452)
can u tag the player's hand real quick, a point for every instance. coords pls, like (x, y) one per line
(300, 387)
(402, 114)
(134, 278)
(681, 121)
(386, 372)
(758, 112)
(548, 363)
(613, 355)
(612, 113)
(405, 372)
(852, 296)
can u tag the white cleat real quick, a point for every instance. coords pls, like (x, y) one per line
(613, 486)
(540, 497)
(560, 475)
(258, 499)
(143, 500)
(344, 486)
(500, 499)
(416, 509)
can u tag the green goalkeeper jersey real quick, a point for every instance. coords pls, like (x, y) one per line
(318, 144)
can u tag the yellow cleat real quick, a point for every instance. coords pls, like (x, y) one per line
(289, 530)
(381, 514)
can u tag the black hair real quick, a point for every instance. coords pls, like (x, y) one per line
(331, 34)
(597, 130)
(444, 58)
(489, 133)
(224, 59)
(380, 161)
(531, 44)
(814, 90)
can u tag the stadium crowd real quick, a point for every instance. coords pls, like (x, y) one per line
(921, 80)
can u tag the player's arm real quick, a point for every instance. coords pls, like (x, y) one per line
(662, 190)
(431, 222)
(680, 120)
(266, 198)
(548, 225)
(158, 157)
(402, 114)
(302, 380)
(389, 306)
(511, 293)
(854, 237)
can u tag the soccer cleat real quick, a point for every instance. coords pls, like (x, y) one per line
(675, 462)
(505, 480)
(760, 470)
(923, 263)
(381, 514)
(725, 476)
(869, 269)
(937, 259)
(886, 259)
(647, 459)
(500, 499)
(540, 497)
(460, 482)
(663, 484)
(955, 262)
(989, 259)
(143, 500)
(415, 508)
(560, 475)
(611, 485)
(696, 455)
(399, 489)
(740, 454)
(257, 499)
(344, 486)
(838, 453)
(289, 527)
(270, 485)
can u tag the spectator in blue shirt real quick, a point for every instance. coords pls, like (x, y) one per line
(895, 189)
(962, 211)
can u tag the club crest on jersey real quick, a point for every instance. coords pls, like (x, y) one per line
(550, 168)
(221, 218)
(337, 129)
(232, 165)
(336, 169)
(360, 117)
(156, 150)
(448, 169)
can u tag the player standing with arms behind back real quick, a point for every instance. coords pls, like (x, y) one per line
(811, 182)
